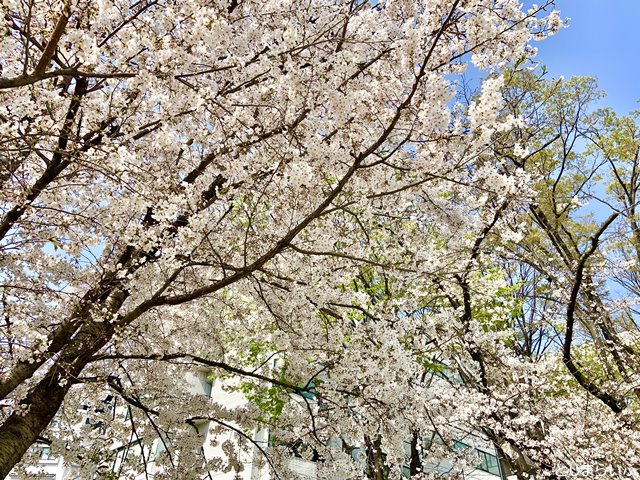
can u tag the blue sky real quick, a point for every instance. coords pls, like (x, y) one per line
(603, 40)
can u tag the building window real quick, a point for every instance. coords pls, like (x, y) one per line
(43, 451)
(488, 462)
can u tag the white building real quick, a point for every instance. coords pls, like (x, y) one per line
(251, 459)
(49, 467)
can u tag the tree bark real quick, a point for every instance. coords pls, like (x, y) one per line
(375, 462)
(25, 424)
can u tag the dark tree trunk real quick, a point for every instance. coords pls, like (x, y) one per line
(23, 427)
(375, 462)
(21, 430)
(415, 465)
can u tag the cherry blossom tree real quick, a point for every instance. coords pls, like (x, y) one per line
(220, 184)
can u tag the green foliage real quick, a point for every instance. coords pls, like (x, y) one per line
(270, 399)
(496, 312)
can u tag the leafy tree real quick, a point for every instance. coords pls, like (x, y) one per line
(573, 271)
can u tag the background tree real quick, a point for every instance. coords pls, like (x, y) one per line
(574, 309)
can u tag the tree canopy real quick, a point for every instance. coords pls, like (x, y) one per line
(219, 185)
